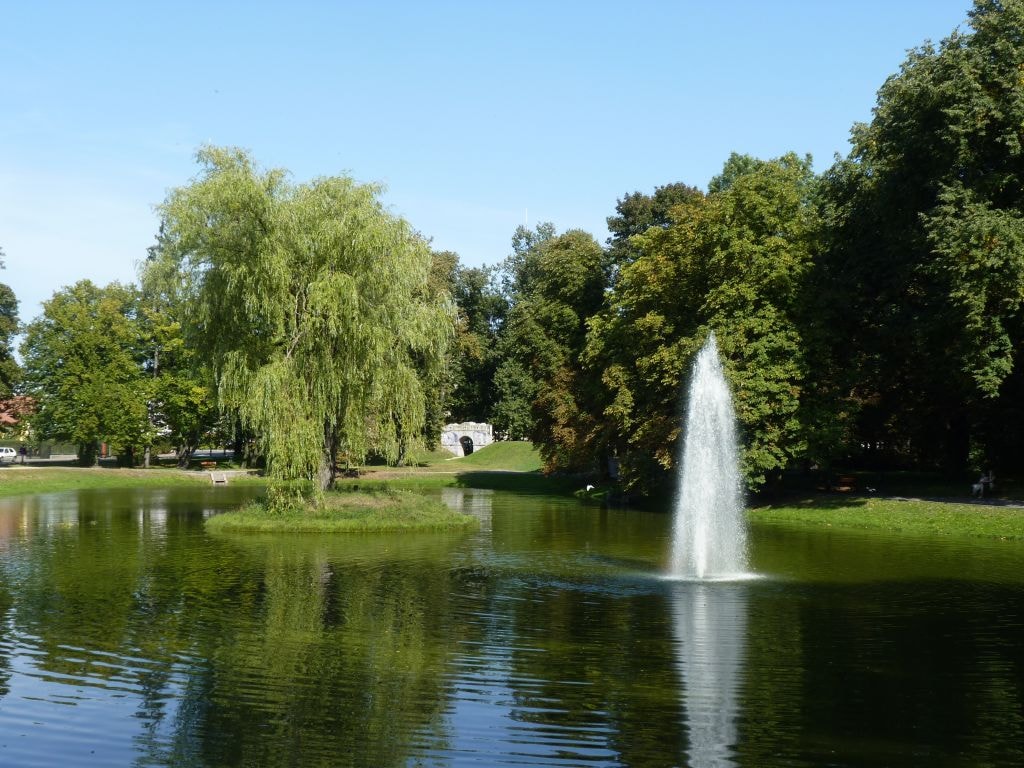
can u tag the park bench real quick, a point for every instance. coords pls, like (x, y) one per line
(208, 464)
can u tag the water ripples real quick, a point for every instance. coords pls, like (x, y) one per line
(548, 638)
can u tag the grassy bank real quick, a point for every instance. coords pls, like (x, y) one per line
(503, 466)
(16, 481)
(909, 516)
(413, 480)
(504, 456)
(511, 456)
(346, 511)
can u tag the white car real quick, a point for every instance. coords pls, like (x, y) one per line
(8, 455)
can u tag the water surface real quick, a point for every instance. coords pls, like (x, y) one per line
(128, 636)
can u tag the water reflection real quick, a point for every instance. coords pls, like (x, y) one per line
(130, 636)
(471, 501)
(710, 628)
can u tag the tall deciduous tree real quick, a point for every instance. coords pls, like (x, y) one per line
(561, 281)
(733, 262)
(83, 367)
(310, 301)
(637, 212)
(924, 273)
(482, 309)
(515, 384)
(9, 370)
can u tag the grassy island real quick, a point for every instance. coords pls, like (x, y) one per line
(345, 512)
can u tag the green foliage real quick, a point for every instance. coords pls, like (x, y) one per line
(560, 282)
(514, 383)
(923, 270)
(482, 309)
(83, 367)
(183, 406)
(638, 212)
(733, 262)
(514, 390)
(310, 302)
(10, 373)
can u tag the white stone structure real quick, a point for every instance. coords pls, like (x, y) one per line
(462, 439)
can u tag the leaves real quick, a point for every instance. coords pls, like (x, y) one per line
(733, 261)
(922, 269)
(83, 367)
(310, 301)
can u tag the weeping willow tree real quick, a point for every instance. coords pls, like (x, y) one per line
(311, 303)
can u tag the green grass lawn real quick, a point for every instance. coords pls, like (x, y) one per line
(507, 456)
(346, 511)
(504, 456)
(16, 481)
(910, 516)
(504, 466)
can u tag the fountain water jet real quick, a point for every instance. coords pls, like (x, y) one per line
(709, 539)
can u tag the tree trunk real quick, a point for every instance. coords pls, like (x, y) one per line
(88, 455)
(239, 444)
(126, 457)
(325, 475)
(185, 455)
(146, 455)
(327, 472)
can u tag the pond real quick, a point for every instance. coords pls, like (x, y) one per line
(131, 637)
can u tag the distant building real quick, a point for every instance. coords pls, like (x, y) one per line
(462, 439)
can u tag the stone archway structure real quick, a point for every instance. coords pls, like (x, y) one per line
(466, 437)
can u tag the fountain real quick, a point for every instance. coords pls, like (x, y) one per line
(709, 539)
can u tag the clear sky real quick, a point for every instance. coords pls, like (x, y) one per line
(477, 116)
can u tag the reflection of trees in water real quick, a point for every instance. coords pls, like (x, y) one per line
(934, 669)
(596, 668)
(5, 640)
(317, 651)
(340, 666)
(242, 655)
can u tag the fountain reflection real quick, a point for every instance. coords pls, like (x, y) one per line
(710, 627)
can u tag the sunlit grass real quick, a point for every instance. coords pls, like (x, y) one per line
(346, 511)
(16, 481)
(911, 516)
(503, 456)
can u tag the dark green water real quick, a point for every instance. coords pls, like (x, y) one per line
(130, 637)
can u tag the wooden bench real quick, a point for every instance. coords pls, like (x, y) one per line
(208, 464)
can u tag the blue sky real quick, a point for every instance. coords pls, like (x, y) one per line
(477, 116)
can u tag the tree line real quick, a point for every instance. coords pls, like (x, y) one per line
(868, 315)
